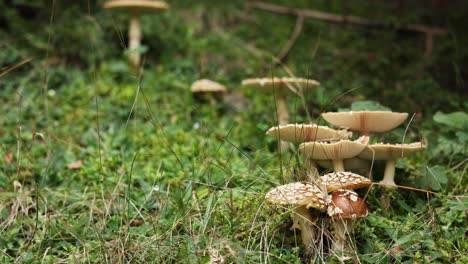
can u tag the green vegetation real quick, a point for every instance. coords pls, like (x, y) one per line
(165, 178)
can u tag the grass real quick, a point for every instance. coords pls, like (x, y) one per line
(166, 178)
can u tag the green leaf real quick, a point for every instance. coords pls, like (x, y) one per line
(455, 120)
(437, 177)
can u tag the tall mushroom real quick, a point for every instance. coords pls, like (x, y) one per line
(366, 121)
(344, 208)
(390, 153)
(280, 87)
(335, 151)
(135, 8)
(304, 196)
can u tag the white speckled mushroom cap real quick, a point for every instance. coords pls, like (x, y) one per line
(370, 121)
(343, 180)
(299, 133)
(343, 149)
(278, 83)
(136, 6)
(207, 86)
(383, 151)
(298, 193)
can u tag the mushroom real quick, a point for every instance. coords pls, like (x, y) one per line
(335, 151)
(280, 86)
(207, 88)
(343, 180)
(304, 196)
(135, 8)
(390, 153)
(299, 133)
(344, 207)
(366, 121)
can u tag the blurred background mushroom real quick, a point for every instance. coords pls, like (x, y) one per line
(135, 8)
(280, 87)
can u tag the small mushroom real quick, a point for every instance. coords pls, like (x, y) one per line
(344, 208)
(136, 8)
(280, 86)
(390, 153)
(335, 151)
(208, 89)
(343, 180)
(366, 121)
(304, 196)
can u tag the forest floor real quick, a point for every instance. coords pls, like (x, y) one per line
(102, 163)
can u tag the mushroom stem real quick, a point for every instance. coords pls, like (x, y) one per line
(340, 227)
(389, 174)
(134, 38)
(283, 116)
(304, 221)
(311, 169)
(282, 109)
(341, 244)
(338, 165)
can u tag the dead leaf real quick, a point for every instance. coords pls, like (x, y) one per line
(75, 165)
(8, 158)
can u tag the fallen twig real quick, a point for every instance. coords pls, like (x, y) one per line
(430, 32)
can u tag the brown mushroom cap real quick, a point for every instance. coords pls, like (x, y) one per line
(299, 133)
(343, 149)
(370, 121)
(346, 204)
(278, 83)
(298, 193)
(343, 180)
(136, 6)
(207, 86)
(383, 151)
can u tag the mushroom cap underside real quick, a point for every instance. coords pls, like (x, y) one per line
(390, 151)
(299, 133)
(370, 121)
(279, 83)
(343, 149)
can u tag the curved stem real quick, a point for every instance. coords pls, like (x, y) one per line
(282, 109)
(134, 38)
(389, 174)
(311, 169)
(338, 165)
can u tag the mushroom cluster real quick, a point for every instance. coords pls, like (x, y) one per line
(312, 200)
(334, 149)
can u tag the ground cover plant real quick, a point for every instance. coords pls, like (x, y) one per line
(102, 163)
